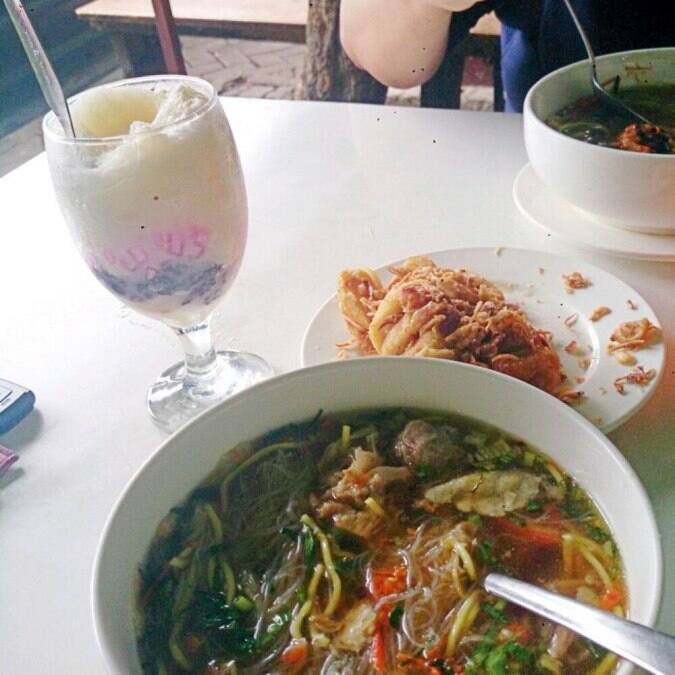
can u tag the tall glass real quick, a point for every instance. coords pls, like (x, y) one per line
(159, 214)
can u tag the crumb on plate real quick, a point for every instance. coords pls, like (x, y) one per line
(571, 347)
(639, 376)
(571, 320)
(624, 357)
(599, 312)
(575, 281)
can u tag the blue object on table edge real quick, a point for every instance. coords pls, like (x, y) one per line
(15, 403)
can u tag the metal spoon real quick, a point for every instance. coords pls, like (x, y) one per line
(645, 647)
(598, 89)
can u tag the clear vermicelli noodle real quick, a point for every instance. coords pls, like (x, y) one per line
(356, 543)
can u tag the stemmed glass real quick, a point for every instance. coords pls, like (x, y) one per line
(158, 211)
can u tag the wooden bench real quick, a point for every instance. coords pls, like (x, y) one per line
(131, 25)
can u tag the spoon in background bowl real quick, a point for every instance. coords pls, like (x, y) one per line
(598, 89)
(650, 649)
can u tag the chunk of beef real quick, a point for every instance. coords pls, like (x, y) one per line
(421, 444)
(345, 499)
(492, 493)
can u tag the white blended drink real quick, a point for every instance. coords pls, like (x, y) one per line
(152, 191)
(154, 197)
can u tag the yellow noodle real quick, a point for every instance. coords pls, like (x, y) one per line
(336, 582)
(346, 434)
(210, 571)
(549, 663)
(175, 650)
(605, 666)
(216, 525)
(556, 474)
(182, 560)
(459, 587)
(296, 624)
(591, 545)
(467, 560)
(461, 623)
(568, 561)
(375, 507)
(230, 583)
(597, 566)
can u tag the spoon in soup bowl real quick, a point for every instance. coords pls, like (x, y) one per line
(602, 94)
(650, 649)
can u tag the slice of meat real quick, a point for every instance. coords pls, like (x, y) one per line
(492, 493)
(358, 625)
(361, 524)
(346, 501)
(422, 444)
(381, 477)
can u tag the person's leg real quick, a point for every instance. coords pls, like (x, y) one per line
(520, 67)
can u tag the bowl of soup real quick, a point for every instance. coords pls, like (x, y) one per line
(339, 519)
(616, 172)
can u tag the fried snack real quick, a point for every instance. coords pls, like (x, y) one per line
(633, 335)
(445, 313)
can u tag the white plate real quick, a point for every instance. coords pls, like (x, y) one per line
(543, 207)
(543, 297)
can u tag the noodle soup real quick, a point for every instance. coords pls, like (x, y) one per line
(356, 543)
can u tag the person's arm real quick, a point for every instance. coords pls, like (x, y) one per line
(401, 43)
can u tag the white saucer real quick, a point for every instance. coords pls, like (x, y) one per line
(533, 280)
(544, 208)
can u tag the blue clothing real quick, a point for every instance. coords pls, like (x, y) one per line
(539, 36)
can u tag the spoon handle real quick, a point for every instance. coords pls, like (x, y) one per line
(46, 77)
(647, 648)
(582, 33)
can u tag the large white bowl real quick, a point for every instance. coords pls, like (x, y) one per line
(185, 459)
(631, 190)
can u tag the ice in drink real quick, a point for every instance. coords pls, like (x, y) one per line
(154, 195)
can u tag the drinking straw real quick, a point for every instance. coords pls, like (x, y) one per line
(46, 77)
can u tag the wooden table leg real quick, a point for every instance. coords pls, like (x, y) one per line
(138, 53)
(168, 37)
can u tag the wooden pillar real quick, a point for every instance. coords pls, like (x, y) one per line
(329, 74)
(168, 37)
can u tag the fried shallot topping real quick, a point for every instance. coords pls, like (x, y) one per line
(639, 376)
(633, 335)
(575, 281)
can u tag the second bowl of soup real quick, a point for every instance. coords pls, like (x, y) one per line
(617, 172)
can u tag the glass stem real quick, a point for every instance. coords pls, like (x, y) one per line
(201, 361)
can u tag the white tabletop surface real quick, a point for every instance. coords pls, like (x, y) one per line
(330, 186)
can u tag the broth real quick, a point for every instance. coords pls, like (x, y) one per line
(355, 543)
(587, 120)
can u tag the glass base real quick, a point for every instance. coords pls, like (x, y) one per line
(173, 400)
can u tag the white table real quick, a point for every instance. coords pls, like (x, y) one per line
(330, 186)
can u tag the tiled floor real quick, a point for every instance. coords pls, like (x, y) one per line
(255, 69)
